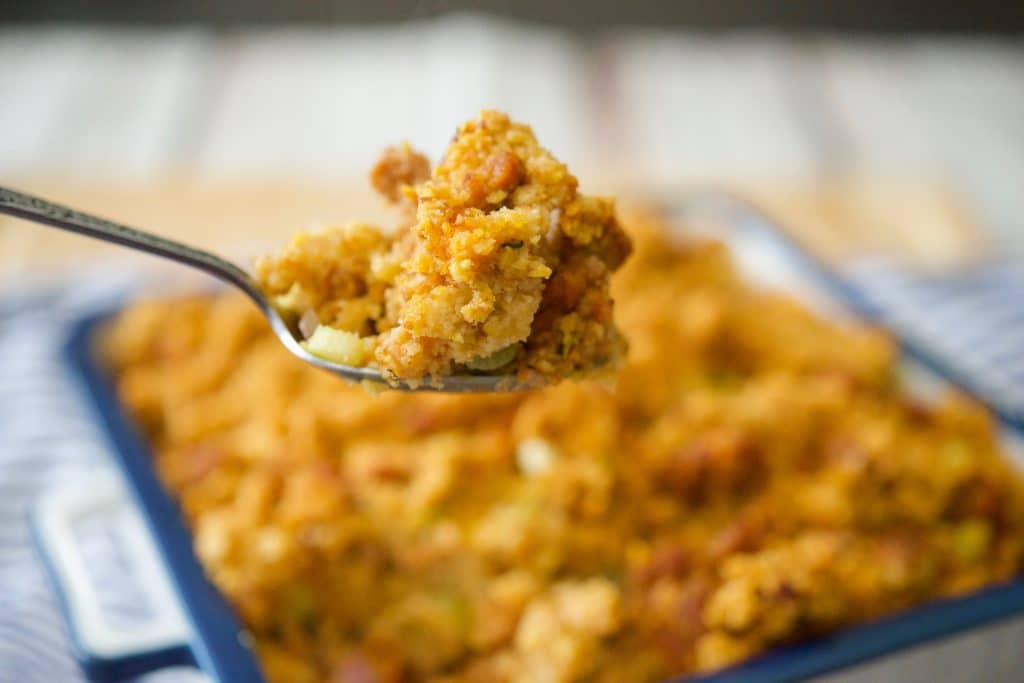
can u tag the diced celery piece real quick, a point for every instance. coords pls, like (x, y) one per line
(535, 456)
(337, 346)
(498, 359)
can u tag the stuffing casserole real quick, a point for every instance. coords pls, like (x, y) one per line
(755, 476)
(499, 266)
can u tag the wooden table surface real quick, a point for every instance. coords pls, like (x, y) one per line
(228, 139)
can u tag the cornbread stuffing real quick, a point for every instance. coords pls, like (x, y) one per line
(757, 476)
(500, 266)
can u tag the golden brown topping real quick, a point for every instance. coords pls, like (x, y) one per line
(502, 172)
(754, 478)
(399, 167)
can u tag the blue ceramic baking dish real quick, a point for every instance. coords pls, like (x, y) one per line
(206, 634)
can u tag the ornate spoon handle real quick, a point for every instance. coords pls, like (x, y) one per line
(42, 211)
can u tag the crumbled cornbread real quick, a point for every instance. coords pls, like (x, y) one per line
(756, 477)
(503, 269)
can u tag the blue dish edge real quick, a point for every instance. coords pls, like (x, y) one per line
(220, 647)
(96, 667)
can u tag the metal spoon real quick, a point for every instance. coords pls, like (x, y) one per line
(48, 213)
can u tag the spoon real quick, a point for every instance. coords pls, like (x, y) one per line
(48, 213)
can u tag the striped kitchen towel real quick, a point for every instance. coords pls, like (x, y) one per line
(49, 441)
(971, 321)
(974, 320)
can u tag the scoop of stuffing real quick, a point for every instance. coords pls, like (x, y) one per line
(503, 268)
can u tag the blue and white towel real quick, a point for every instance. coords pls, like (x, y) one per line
(974, 319)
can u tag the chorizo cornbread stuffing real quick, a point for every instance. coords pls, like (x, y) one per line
(501, 267)
(757, 476)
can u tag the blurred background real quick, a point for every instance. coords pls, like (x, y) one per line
(871, 125)
(872, 128)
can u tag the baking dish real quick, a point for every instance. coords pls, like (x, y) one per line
(199, 627)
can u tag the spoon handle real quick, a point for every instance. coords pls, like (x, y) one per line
(49, 213)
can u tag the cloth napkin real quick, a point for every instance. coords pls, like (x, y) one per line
(973, 319)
